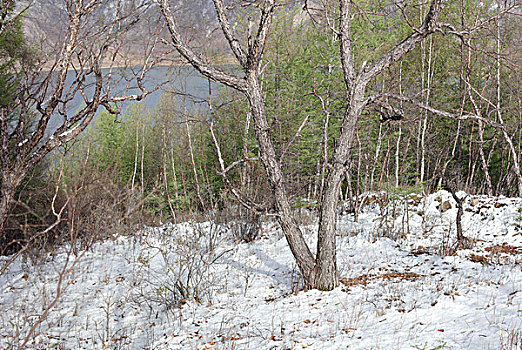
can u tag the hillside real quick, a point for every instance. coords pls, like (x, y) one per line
(45, 25)
(403, 286)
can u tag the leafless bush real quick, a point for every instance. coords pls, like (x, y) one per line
(177, 265)
(32, 213)
(393, 220)
(247, 229)
(79, 210)
(511, 339)
(244, 225)
(103, 206)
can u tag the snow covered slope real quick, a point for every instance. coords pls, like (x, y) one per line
(404, 286)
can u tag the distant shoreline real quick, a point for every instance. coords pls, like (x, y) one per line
(139, 63)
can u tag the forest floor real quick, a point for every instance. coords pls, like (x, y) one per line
(404, 285)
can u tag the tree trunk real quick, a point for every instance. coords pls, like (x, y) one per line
(461, 239)
(429, 75)
(326, 261)
(10, 182)
(377, 155)
(291, 230)
(5, 206)
(397, 148)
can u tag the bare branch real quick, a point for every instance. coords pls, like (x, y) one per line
(258, 46)
(196, 61)
(236, 163)
(398, 51)
(446, 114)
(347, 59)
(247, 203)
(229, 34)
(296, 135)
(46, 92)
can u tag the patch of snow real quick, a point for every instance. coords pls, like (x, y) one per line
(399, 291)
(20, 144)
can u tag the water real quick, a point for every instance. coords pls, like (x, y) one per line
(191, 90)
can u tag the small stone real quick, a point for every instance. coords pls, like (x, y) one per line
(446, 205)
(474, 202)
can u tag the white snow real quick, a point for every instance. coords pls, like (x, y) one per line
(67, 132)
(402, 290)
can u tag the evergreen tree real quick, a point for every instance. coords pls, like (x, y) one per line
(15, 55)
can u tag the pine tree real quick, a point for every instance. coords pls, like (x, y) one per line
(15, 54)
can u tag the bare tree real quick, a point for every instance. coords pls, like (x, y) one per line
(481, 98)
(83, 67)
(320, 271)
(356, 82)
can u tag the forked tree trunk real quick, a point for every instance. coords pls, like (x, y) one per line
(321, 273)
(356, 82)
(300, 250)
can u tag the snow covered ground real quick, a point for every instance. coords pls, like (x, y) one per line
(404, 286)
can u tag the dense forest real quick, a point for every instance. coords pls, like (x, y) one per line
(441, 109)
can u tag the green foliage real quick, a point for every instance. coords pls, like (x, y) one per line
(427, 347)
(376, 27)
(147, 151)
(15, 54)
(121, 142)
